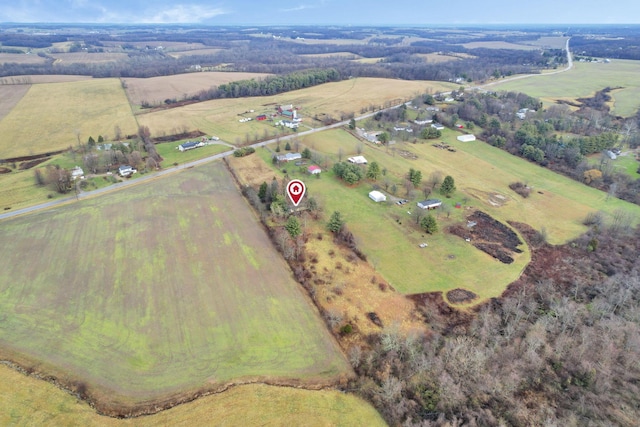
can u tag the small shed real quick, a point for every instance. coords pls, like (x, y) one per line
(358, 160)
(429, 204)
(314, 170)
(466, 138)
(377, 196)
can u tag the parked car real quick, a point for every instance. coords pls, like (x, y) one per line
(401, 202)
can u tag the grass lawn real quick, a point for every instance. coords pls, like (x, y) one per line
(53, 116)
(625, 163)
(584, 80)
(166, 288)
(28, 401)
(170, 153)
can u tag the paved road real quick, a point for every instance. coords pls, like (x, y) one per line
(146, 178)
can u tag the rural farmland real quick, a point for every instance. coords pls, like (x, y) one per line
(482, 174)
(56, 116)
(188, 295)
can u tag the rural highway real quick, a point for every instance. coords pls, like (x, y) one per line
(149, 177)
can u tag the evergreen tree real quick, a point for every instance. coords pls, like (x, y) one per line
(335, 222)
(373, 171)
(287, 146)
(306, 153)
(262, 192)
(448, 186)
(429, 224)
(293, 227)
(92, 142)
(352, 124)
(415, 176)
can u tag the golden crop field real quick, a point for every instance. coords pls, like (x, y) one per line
(87, 58)
(220, 117)
(156, 89)
(55, 116)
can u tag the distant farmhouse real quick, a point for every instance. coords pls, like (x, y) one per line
(429, 204)
(314, 170)
(288, 157)
(287, 111)
(190, 145)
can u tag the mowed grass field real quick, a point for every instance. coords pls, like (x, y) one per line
(584, 80)
(26, 401)
(156, 89)
(164, 289)
(482, 174)
(220, 117)
(52, 116)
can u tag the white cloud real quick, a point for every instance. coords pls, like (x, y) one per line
(182, 13)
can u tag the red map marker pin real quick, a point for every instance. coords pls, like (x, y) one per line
(295, 190)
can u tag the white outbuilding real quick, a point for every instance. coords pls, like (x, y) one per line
(377, 196)
(466, 138)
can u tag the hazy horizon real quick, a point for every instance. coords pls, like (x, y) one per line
(321, 12)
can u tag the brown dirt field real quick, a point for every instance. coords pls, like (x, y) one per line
(10, 95)
(157, 89)
(87, 58)
(44, 78)
(490, 236)
(181, 53)
(436, 58)
(18, 58)
(251, 170)
(460, 296)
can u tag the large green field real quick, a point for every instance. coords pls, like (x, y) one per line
(482, 174)
(164, 289)
(52, 116)
(584, 80)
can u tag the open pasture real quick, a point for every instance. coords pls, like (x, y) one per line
(220, 117)
(55, 116)
(155, 90)
(584, 80)
(157, 292)
(28, 401)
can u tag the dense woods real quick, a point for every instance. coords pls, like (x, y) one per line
(561, 348)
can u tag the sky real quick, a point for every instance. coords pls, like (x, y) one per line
(323, 12)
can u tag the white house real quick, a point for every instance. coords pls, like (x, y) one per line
(190, 145)
(77, 172)
(126, 170)
(289, 157)
(358, 160)
(429, 204)
(466, 138)
(377, 196)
